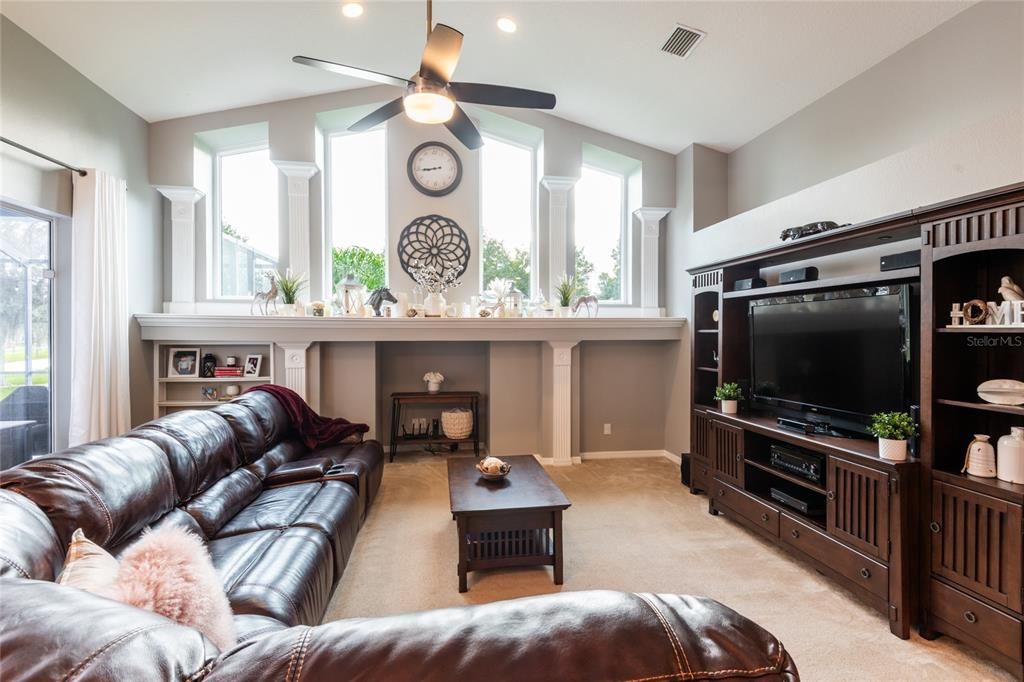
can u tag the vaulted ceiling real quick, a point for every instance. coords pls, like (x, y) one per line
(760, 62)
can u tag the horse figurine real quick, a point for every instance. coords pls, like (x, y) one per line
(378, 297)
(586, 301)
(263, 299)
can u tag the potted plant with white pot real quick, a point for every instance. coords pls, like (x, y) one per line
(566, 289)
(729, 395)
(892, 429)
(433, 381)
(290, 285)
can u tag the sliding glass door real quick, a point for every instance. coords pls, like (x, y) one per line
(26, 316)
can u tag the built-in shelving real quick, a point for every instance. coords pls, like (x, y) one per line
(795, 480)
(708, 369)
(981, 329)
(214, 380)
(984, 407)
(866, 279)
(707, 331)
(172, 393)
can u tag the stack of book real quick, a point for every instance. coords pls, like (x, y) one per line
(227, 372)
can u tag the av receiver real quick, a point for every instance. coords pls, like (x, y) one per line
(802, 463)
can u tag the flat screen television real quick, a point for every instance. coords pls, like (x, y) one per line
(845, 354)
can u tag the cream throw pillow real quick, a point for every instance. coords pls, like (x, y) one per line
(89, 567)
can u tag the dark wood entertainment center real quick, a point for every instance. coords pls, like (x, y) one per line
(917, 540)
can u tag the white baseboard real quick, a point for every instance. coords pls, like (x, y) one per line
(630, 454)
(550, 461)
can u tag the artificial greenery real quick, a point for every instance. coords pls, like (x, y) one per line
(565, 290)
(892, 425)
(290, 285)
(729, 391)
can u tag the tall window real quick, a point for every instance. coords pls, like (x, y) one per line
(600, 199)
(506, 211)
(246, 189)
(358, 206)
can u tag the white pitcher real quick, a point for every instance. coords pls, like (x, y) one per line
(1010, 456)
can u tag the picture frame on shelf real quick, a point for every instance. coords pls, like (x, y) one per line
(183, 362)
(253, 363)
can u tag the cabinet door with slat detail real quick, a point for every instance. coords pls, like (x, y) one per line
(727, 446)
(858, 506)
(976, 543)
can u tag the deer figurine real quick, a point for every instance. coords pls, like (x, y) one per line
(263, 299)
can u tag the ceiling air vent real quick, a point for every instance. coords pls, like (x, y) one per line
(682, 41)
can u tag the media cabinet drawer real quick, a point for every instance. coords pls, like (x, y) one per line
(700, 472)
(857, 568)
(979, 622)
(753, 510)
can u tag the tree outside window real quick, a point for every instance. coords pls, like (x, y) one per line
(358, 215)
(599, 229)
(506, 212)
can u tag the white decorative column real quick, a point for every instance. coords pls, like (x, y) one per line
(558, 188)
(561, 402)
(650, 230)
(183, 247)
(295, 367)
(298, 174)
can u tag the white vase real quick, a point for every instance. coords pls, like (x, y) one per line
(892, 450)
(563, 311)
(286, 309)
(434, 305)
(730, 406)
(981, 458)
(402, 307)
(1010, 456)
(433, 386)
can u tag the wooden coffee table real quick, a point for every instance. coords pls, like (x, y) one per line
(513, 522)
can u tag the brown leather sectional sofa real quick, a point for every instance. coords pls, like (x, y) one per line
(280, 535)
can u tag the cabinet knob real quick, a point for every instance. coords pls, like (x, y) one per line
(865, 573)
(764, 517)
(738, 456)
(795, 533)
(721, 493)
(970, 617)
(831, 494)
(934, 527)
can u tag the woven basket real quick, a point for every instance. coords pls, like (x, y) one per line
(457, 424)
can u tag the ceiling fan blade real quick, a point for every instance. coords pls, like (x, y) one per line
(353, 71)
(378, 116)
(501, 96)
(441, 53)
(463, 128)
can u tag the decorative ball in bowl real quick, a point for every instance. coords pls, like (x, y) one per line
(493, 469)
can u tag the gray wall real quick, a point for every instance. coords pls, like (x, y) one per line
(963, 71)
(47, 105)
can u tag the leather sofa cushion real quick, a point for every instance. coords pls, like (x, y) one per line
(223, 500)
(331, 508)
(271, 415)
(367, 460)
(54, 632)
(200, 447)
(250, 626)
(309, 469)
(286, 451)
(177, 518)
(29, 547)
(111, 489)
(247, 429)
(285, 574)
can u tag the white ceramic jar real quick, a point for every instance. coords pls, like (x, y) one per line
(981, 457)
(1010, 456)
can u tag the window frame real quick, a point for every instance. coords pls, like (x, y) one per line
(625, 242)
(328, 200)
(534, 247)
(217, 217)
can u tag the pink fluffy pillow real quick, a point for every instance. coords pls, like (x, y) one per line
(167, 571)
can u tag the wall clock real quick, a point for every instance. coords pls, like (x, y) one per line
(434, 169)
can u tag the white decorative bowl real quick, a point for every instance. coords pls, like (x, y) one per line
(1002, 392)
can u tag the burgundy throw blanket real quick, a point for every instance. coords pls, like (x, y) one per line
(314, 430)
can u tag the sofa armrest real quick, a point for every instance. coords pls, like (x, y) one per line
(300, 471)
(570, 636)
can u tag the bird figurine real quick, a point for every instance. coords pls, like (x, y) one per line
(1009, 290)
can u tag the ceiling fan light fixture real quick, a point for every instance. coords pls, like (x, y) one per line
(352, 9)
(428, 107)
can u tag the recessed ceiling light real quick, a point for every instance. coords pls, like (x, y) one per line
(507, 25)
(352, 9)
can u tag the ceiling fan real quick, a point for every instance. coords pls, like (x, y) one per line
(430, 95)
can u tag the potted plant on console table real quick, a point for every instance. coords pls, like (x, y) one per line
(729, 396)
(892, 430)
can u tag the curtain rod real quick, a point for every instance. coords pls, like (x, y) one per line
(73, 169)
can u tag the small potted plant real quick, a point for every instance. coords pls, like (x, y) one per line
(729, 395)
(564, 292)
(290, 285)
(892, 430)
(433, 380)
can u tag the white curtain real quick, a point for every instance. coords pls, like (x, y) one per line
(100, 405)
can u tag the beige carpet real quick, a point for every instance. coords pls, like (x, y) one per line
(633, 527)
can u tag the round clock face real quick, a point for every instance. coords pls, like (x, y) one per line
(434, 169)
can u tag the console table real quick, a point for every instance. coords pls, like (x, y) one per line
(470, 399)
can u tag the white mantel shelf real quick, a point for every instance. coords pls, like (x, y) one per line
(245, 328)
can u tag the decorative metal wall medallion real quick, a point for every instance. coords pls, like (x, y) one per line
(433, 240)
